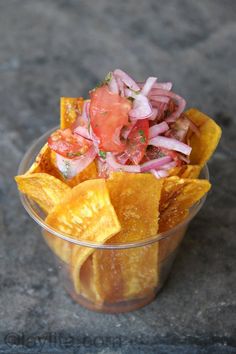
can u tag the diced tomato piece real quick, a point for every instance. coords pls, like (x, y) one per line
(108, 115)
(137, 141)
(68, 144)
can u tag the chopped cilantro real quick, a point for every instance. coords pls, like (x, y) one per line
(102, 154)
(143, 137)
(107, 79)
(73, 154)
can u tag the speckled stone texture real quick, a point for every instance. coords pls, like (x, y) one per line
(54, 48)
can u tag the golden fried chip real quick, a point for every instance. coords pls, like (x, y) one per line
(186, 171)
(89, 172)
(178, 195)
(71, 108)
(44, 189)
(169, 245)
(135, 198)
(44, 163)
(86, 214)
(204, 144)
(87, 283)
(59, 246)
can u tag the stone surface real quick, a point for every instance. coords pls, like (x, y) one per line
(64, 47)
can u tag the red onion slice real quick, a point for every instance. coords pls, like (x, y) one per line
(120, 86)
(159, 99)
(159, 174)
(130, 93)
(113, 86)
(163, 85)
(150, 82)
(155, 164)
(168, 166)
(122, 158)
(158, 129)
(85, 112)
(126, 79)
(71, 167)
(118, 167)
(185, 159)
(158, 85)
(83, 131)
(141, 108)
(154, 114)
(180, 102)
(170, 144)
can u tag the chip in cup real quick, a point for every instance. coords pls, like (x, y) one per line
(135, 198)
(44, 163)
(86, 214)
(186, 171)
(203, 144)
(44, 189)
(71, 109)
(178, 195)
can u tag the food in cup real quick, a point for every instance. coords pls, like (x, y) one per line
(122, 168)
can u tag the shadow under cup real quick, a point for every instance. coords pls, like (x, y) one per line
(112, 277)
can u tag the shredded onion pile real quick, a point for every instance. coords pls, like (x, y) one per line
(168, 128)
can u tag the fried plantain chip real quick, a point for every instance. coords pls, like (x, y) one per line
(204, 144)
(87, 283)
(169, 245)
(44, 163)
(86, 214)
(89, 172)
(186, 171)
(178, 195)
(44, 189)
(121, 274)
(71, 108)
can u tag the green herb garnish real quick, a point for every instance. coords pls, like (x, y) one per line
(143, 137)
(108, 77)
(102, 154)
(106, 81)
(73, 154)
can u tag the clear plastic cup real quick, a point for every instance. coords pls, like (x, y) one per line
(115, 277)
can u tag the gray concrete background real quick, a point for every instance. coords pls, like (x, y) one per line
(54, 48)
